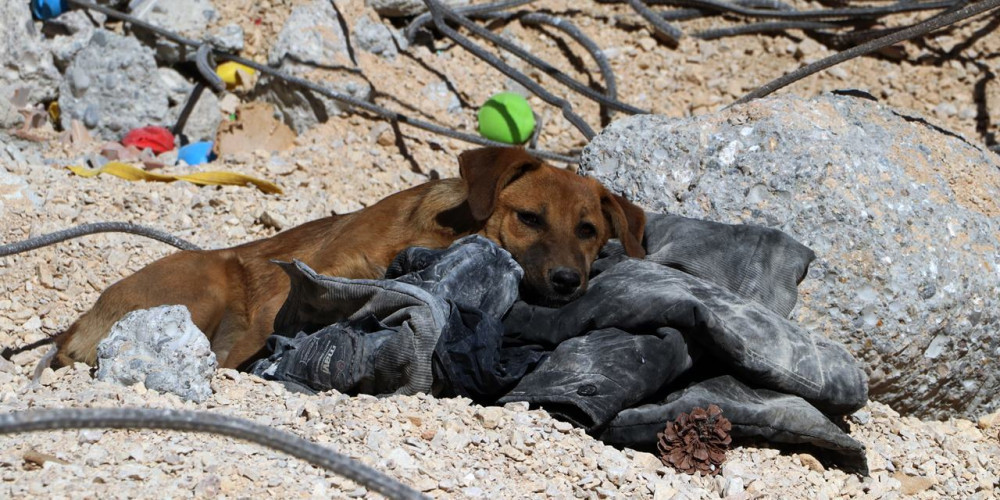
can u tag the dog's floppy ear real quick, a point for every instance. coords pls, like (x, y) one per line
(627, 221)
(487, 171)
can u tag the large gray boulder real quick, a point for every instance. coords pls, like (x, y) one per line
(904, 219)
(25, 61)
(112, 86)
(311, 45)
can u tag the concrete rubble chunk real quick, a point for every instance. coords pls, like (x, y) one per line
(903, 218)
(189, 18)
(112, 87)
(9, 116)
(228, 38)
(161, 348)
(375, 37)
(70, 33)
(25, 61)
(311, 45)
(203, 122)
(404, 8)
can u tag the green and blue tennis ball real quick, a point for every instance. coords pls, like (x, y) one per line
(506, 117)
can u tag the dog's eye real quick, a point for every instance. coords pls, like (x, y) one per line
(530, 218)
(586, 231)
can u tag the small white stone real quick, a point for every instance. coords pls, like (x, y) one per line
(89, 436)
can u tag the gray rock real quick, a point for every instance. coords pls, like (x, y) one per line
(203, 122)
(375, 37)
(9, 117)
(862, 417)
(228, 38)
(311, 45)
(311, 35)
(403, 8)
(24, 59)
(905, 221)
(161, 348)
(72, 31)
(175, 84)
(112, 86)
(189, 18)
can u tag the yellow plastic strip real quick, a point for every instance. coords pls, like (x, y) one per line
(131, 173)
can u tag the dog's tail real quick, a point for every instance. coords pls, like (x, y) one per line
(47, 359)
(9, 352)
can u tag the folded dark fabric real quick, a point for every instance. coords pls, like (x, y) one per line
(758, 345)
(757, 263)
(470, 359)
(376, 335)
(474, 273)
(587, 380)
(709, 295)
(754, 413)
(394, 336)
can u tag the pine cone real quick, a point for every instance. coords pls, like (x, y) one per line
(697, 441)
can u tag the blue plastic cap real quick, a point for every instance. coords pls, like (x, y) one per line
(196, 153)
(47, 9)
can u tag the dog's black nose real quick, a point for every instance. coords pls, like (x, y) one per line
(564, 280)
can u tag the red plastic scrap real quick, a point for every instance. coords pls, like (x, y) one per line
(158, 139)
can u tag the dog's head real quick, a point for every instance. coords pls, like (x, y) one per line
(551, 220)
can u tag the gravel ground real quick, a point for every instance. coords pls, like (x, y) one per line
(447, 448)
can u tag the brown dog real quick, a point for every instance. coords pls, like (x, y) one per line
(552, 221)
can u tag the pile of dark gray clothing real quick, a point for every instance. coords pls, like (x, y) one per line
(702, 320)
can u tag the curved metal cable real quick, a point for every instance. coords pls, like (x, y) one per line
(849, 12)
(195, 421)
(440, 12)
(765, 27)
(202, 60)
(664, 31)
(347, 99)
(531, 59)
(932, 24)
(538, 18)
(94, 228)
(608, 74)
(422, 20)
(687, 14)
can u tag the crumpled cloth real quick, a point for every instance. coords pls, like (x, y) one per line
(439, 318)
(703, 319)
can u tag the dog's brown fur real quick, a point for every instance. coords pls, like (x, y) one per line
(551, 220)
